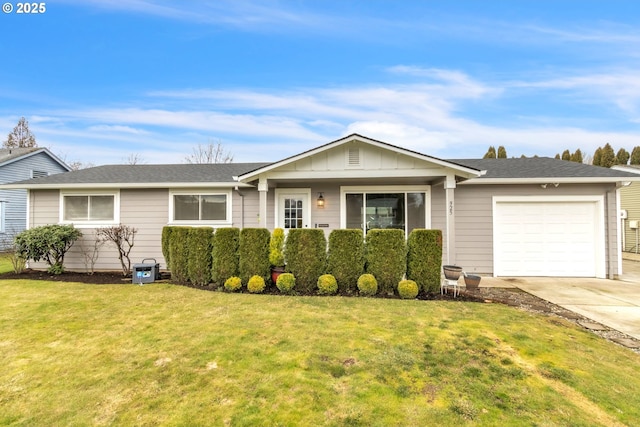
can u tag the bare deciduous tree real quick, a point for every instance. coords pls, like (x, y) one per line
(134, 159)
(210, 153)
(21, 136)
(123, 237)
(92, 252)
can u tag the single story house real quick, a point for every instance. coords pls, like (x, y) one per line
(501, 217)
(18, 164)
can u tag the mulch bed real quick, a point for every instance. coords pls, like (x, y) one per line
(510, 296)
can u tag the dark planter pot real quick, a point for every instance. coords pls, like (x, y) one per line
(452, 272)
(471, 281)
(275, 272)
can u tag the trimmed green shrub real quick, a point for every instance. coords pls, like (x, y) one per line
(408, 289)
(256, 284)
(306, 254)
(233, 284)
(47, 242)
(327, 284)
(367, 285)
(286, 282)
(254, 253)
(345, 258)
(179, 254)
(199, 263)
(386, 255)
(276, 248)
(224, 254)
(424, 258)
(166, 239)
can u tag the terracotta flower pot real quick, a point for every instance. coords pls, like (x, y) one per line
(275, 272)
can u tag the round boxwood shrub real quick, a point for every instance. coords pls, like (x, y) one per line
(233, 284)
(256, 284)
(327, 284)
(367, 285)
(408, 289)
(286, 282)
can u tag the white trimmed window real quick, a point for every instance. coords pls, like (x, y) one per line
(200, 208)
(89, 208)
(400, 207)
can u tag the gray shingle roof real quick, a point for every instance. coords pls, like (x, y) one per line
(151, 174)
(539, 167)
(7, 154)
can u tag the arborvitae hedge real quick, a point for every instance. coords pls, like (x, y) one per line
(254, 253)
(345, 259)
(225, 257)
(166, 240)
(306, 252)
(386, 256)
(199, 264)
(424, 258)
(179, 254)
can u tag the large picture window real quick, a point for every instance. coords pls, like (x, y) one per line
(200, 207)
(372, 208)
(88, 208)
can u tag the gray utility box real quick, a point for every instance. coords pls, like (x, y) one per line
(145, 272)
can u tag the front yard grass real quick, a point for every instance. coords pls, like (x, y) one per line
(75, 354)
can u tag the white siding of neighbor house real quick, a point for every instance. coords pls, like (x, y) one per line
(14, 202)
(474, 220)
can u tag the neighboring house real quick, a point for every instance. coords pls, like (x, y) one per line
(503, 217)
(17, 164)
(630, 211)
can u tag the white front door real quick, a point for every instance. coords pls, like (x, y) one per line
(292, 208)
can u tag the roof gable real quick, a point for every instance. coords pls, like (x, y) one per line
(10, 155)
(345, 156)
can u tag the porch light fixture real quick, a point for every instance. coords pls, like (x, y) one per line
(320, 201)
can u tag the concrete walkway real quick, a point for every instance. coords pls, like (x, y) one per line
(613, 303)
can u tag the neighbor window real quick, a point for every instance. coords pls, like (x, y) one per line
(88, 208)
(200, 207)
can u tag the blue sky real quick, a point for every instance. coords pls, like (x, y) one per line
(103, 80)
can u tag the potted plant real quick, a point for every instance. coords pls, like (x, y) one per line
(452, 272)
(276, 254)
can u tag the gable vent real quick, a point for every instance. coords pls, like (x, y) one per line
(39, 174)
(353, 157)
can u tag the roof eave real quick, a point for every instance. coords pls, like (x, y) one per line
(137, 185)
(551, 180)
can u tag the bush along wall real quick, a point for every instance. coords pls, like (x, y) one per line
(254, 253)
(166, 240)
(306, 252)
(345, 258)
(199, 263)
(224, 254)
(179, 254)
(386, 258)
(424, 258)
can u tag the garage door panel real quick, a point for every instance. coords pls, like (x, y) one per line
(546, 238)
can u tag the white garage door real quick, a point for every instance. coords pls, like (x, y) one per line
(548, 238)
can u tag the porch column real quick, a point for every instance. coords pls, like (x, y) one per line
(263, 188)
(450, 217)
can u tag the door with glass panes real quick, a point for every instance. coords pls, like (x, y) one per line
(293, 209)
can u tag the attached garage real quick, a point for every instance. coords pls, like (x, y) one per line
(549, 236)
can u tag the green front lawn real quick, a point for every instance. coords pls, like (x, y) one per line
(75, 354)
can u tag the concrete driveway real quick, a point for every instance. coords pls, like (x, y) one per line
(613, 303)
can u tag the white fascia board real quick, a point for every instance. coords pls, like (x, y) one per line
(136, 185)
(586, 180)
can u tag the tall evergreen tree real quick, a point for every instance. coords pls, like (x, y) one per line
(622, 157)
(597, 156)
(576, 156)
(635, 156)
(491, 153)
(566, 155)
(502, 152)
(21, 136)
(608, 158)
